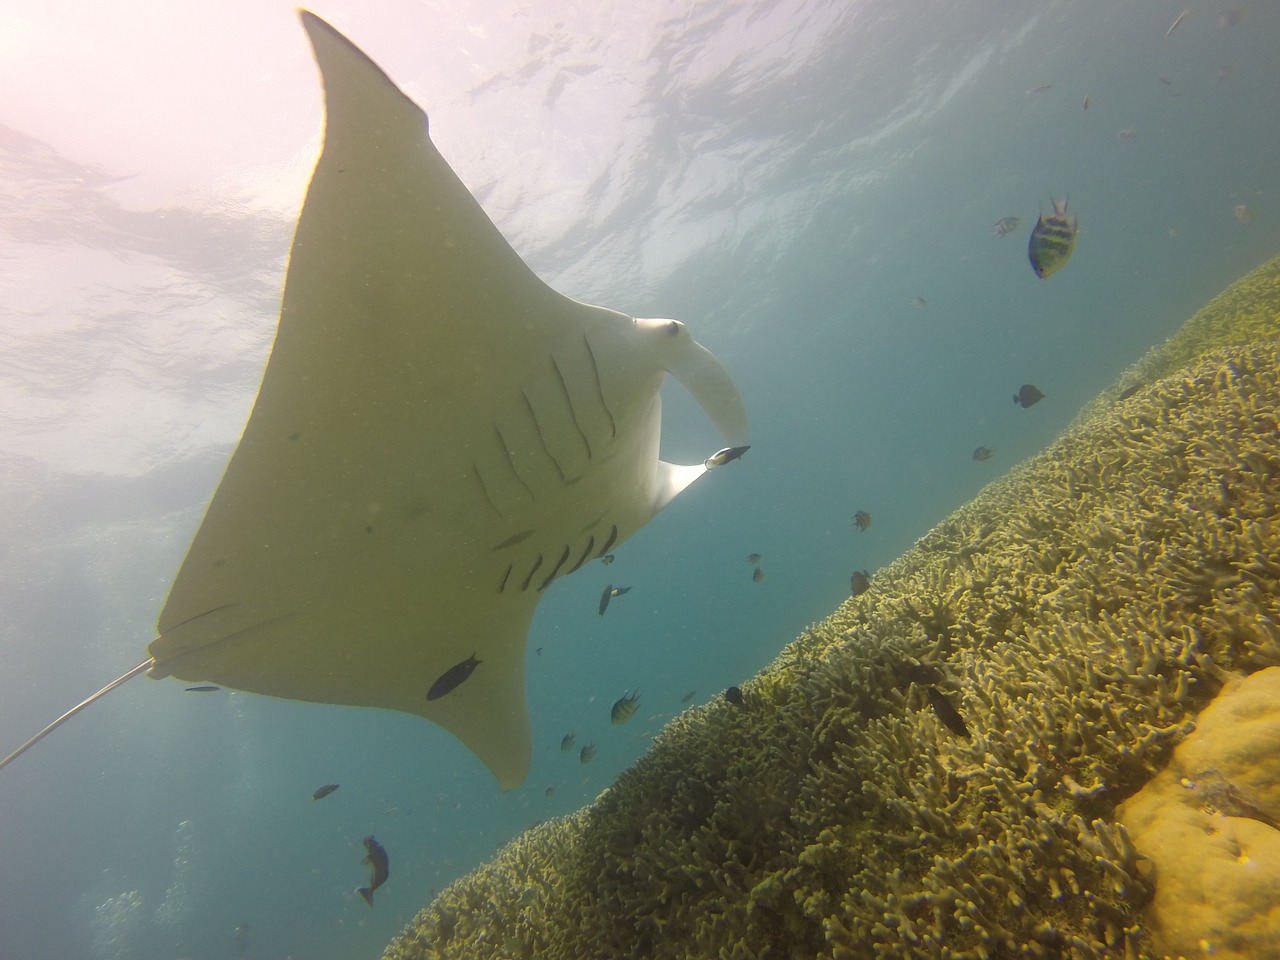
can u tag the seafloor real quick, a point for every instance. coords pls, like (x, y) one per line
(1078, 615)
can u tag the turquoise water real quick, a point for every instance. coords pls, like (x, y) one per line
(784, 177)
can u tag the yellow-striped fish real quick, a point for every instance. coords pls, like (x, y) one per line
(625, 708)
(1052, 240)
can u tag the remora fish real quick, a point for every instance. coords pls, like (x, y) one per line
(1052, 240)
(324, 791)
(449, 681)
(379, 866)
(609, 593)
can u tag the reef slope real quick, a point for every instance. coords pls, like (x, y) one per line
(1077, 615)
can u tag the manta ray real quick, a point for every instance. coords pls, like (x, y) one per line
(438, 437)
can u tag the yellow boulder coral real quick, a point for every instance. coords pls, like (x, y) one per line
(1210, 825)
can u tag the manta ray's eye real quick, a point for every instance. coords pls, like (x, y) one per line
(673, 327)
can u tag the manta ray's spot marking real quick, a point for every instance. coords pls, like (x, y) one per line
(613, 535)
(595, 370)
(568, 402)
(511, 463)
(552, 575)
(512, 540)
(484, 487)
(591, 541)
(542, 436)
(529, 579)
(502, 587)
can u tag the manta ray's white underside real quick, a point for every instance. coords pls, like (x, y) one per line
(438, 437)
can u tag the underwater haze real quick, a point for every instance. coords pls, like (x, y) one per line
(811, 186)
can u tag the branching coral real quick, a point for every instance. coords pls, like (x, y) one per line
(1077, 614)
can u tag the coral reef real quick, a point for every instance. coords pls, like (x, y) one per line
(1078, 614)
(1209, 824)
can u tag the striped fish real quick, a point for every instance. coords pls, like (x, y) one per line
(1052, 240)
(625, 708)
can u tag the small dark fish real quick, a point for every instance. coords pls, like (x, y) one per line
(1052, 240)
(984, 453)
(609, 593)
(1005, 226)
(862, 520)
(379, 866)
(538, 651)
(203, 688)
(625, 708)
(586, 753)
(607, 559)
(549, 792)
(859, 583)
(1040, 89)
(688, 696)
(1028, 395)
(919, 302)
(1084, 104)
(753, 558)
(1129, 391)
(723, 456)
(324, 791)
(734, 696)
(1177, 23)
(1166, 81)
(453, 677)
(946, 712)
(566, 742)
(758, 574)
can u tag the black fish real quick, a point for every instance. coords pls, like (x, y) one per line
(1052, 241)
(1129, 391)
(609, 593)
(586, 753)
(453, 677)
(984, 453)
(734, 696)
(324, 791)
(379, 866)
(862, 520)
(946, 712)
(203, 688)
(859, 583)
(1028, 395)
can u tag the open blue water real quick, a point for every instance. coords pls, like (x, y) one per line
(784, 176)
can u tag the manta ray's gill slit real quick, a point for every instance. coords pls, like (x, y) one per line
(512, 540)
(529, 579)
(552, 575)
(542, 438)
(484, 487)
(568, 402)
(613, 535)
(595, 371)
(591, 542)
(511, 463)
(502, 587)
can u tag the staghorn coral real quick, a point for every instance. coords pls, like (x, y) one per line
(1078, 613)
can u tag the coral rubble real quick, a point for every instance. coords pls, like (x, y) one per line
(1078, 614)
